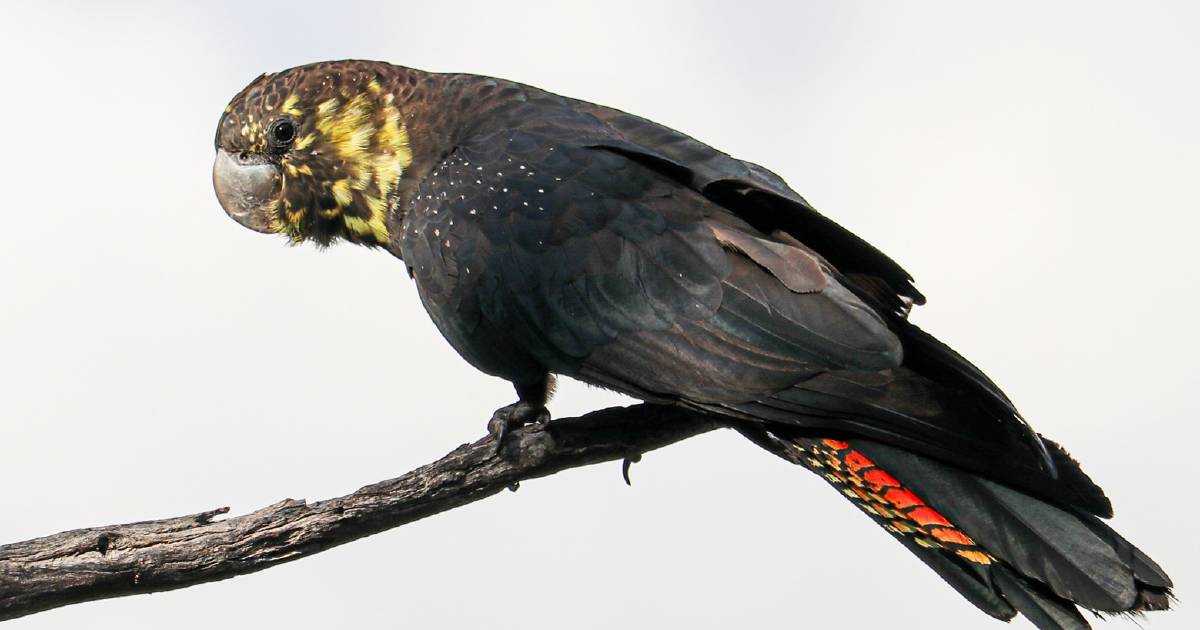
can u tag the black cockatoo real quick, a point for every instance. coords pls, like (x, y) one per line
(550, 236)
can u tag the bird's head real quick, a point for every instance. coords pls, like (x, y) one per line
(314, 152)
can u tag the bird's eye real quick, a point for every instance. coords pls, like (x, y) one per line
(283, 132)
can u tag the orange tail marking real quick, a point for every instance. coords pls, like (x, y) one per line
(902, 498)
(928, 516)
(945, 534)
(904, 513)
(880, 479)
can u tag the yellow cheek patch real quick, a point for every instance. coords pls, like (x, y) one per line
(341, 192)
(378, 206)
(364, 140)
(367, 133)
(346, 127)
(305, 142)
(296, 170)
(395, 153)
(374, 227)
(325, 108)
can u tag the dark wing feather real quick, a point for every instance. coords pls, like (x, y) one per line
(763, 198)
(592, 264)
(618, 263)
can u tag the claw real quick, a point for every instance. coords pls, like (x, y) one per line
(626, 463)
(515, 416)
(497, 428)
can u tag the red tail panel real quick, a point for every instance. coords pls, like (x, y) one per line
(897, 508)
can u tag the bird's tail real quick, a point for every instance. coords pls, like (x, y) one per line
(1003, 550)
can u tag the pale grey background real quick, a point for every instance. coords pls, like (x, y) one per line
(1034, 166)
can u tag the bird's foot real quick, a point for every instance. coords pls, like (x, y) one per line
(515, 416)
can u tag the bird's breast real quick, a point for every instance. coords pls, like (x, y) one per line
(459, 229)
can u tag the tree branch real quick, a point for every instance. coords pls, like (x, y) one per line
(101, 562)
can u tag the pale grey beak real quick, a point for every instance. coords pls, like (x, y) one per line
(248, 187)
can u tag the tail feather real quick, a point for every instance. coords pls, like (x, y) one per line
(1037, 539)
(1003, 550)
(902, 408)
(1145, 570)
(1043, 610)
(962, 576)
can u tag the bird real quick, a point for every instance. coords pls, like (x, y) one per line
(548, 236)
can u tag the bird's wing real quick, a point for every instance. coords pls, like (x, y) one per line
(760, 197)
(594, 263)
(618, 264)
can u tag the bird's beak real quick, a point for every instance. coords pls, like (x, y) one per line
(248, 187)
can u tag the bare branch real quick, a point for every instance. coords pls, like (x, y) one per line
(100, 562)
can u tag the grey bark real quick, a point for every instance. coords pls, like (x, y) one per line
(101, 562)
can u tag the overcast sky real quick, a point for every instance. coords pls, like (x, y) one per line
(1035, 167)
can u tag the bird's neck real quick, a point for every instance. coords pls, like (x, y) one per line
(438, 110)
